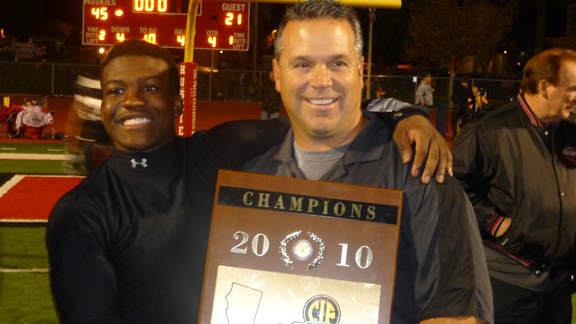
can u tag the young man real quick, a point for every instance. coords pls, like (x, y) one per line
(462, 97)
(128, 245)
(441, 274)
(517, 163)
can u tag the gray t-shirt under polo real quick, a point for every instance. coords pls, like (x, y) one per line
(314, 164)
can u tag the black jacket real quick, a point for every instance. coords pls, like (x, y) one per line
(512, 165)
(460, 97)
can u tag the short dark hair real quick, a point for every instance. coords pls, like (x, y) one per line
(139, 47)
(545, 66)
(465, 79)
(320, 9)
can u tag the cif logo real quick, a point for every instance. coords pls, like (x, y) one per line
(321, 309)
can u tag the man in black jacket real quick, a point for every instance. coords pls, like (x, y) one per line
(463, 97)
(517, 163)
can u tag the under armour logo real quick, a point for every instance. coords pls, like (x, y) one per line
(135, 164)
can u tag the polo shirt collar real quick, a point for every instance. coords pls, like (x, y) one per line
(367, 146)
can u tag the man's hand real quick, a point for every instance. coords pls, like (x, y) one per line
(428, 143)
(504, 226)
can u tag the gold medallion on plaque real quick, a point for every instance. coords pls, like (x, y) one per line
(302, 250)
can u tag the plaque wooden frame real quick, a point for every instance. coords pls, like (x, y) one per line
(341, 241)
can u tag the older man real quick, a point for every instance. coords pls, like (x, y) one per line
(441, 274)
(518, 166)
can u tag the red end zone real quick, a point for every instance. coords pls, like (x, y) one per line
(27, 198)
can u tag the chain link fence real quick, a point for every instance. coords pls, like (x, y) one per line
(55, 80)
(404, 87)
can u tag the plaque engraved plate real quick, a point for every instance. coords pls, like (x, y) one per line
(288, 250)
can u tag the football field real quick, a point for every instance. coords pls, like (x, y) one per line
(32, 179)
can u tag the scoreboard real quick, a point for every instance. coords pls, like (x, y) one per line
(220, 25)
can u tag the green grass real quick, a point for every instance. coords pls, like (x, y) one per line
(23, 248)
(31, 167)
(39, 148)
(24, 296)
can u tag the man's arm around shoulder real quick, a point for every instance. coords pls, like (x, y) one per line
(413, 126)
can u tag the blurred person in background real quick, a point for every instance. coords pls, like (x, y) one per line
(478, 103)
(424, 93)
(462, 97)
(270, 98)
(86, 140)
(32, 121)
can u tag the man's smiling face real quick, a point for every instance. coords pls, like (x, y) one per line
(139, 106)
(320, 79)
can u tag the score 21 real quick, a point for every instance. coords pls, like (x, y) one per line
(230, 20)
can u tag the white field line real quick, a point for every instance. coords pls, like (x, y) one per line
(9, 220)
(18, 177)
(33, 270)
(14, 149)
(42, 157)
(10, 183)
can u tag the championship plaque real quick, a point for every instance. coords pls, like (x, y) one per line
(285, 251)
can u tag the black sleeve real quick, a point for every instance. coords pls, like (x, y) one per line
(82, 279)
(232, 144)
(470, 169)
(458, 278)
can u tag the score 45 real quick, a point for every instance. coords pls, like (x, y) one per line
(301, 249)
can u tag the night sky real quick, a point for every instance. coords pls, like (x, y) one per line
(27, 18)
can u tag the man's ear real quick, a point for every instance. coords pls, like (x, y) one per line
(543, 88)
(276, 69)
(178, 106)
